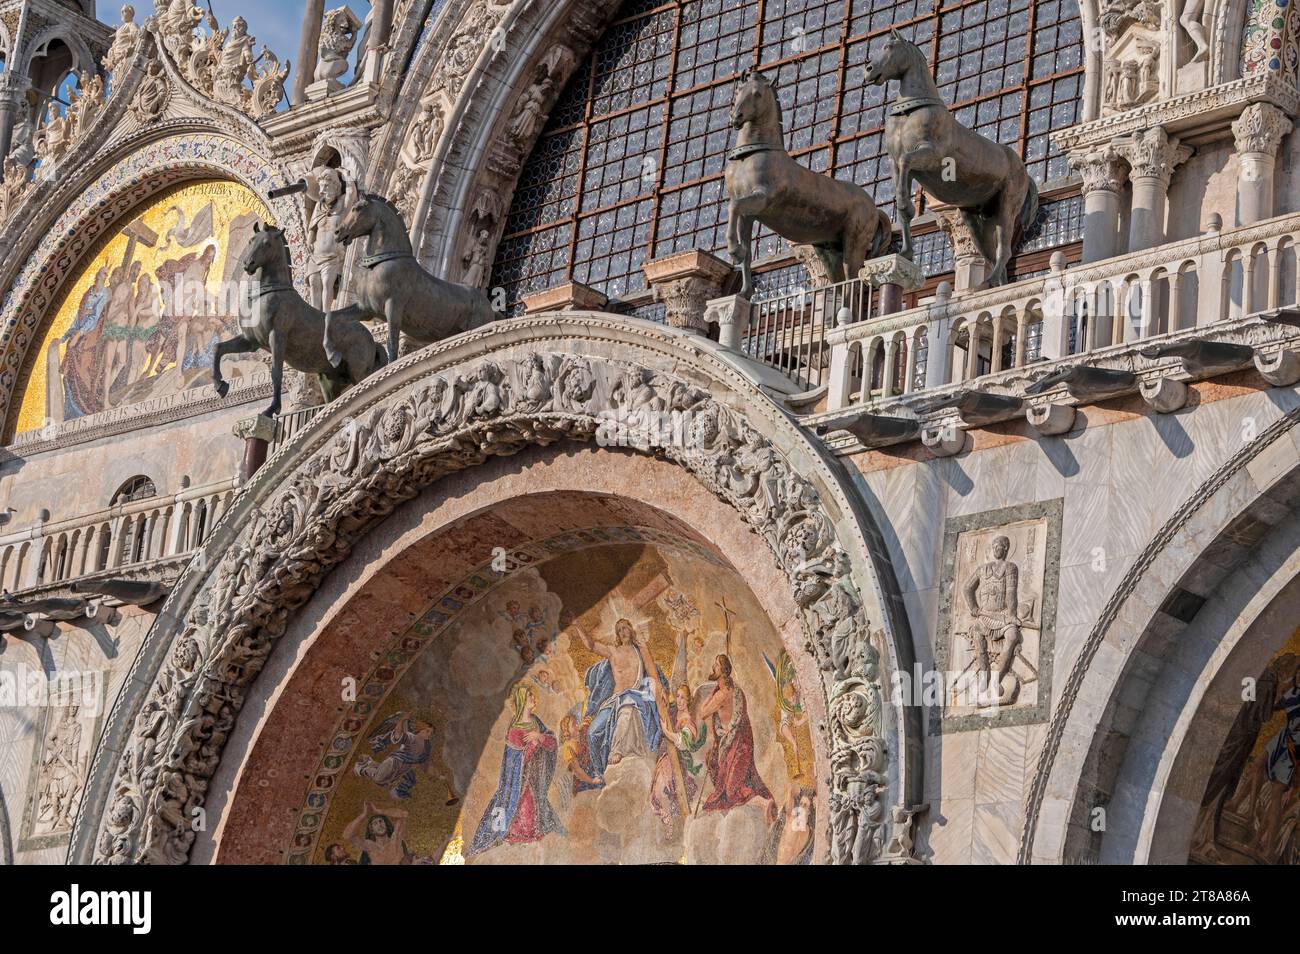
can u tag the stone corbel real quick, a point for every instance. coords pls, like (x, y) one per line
(1051, 419)
(685, 283)
(1086, 385)
(874, 430)
(1201, 358)
(945, 440)
(1281, 369)
(978, 408)
(1165, 395)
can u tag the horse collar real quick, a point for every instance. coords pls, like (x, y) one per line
(277, 287)
(740, 152)
(911, 104)
(370, 261)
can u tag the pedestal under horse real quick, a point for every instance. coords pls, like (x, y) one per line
(389, 283)
(986, 180)
(280, 321)
(765, 185)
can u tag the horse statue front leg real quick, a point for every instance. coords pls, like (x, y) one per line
(277, 372)
(393, 312)
(740, 239)
(903, 204)
(236, 345)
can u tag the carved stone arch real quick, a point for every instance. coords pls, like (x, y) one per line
(475, 153)
(479, 154)
(82, 57)
(1225, 553)
(530, 382)
(1228, 23)
(67, 224)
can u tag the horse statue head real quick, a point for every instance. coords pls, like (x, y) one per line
(370, 214)
(266, 248)
(755, 102)
(895, 60)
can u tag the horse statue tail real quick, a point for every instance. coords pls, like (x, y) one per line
(884, 235)
(1029, 211)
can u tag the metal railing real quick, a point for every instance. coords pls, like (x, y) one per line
(788, 332)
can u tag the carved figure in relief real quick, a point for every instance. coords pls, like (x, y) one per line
(993, 597)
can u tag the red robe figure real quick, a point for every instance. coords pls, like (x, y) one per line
(732, 770)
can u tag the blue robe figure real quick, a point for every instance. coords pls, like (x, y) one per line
(1282, 747)
(520, 811)
(603, 707)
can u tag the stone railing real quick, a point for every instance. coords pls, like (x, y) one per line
(1213, 278)
(114, 542)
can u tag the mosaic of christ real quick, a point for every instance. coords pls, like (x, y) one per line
(619, 704)
(142, 318)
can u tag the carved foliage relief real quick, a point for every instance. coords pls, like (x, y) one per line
(385, 457)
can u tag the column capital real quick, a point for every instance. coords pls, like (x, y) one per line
(1103, 169)
(1260, 128)
(1153, 154)
(684, 284)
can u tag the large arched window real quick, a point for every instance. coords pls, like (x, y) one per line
(137, 488)
(629, 167)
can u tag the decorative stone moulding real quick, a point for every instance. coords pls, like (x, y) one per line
(1194, 117)
(573, 296)
(685, 283)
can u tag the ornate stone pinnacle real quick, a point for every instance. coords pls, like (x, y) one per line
(1260, 128)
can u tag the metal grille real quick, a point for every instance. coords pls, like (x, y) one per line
(630, 164)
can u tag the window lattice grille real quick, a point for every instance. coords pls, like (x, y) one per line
(629, 167)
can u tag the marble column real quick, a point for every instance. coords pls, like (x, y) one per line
(969, 267)
(1152, 156)
(1103, 172)
(308, 50)
(1258, 131)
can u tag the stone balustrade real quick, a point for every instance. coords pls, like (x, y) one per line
(127, 535)
(957, 338)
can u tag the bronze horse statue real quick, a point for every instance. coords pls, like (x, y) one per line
(986, 180)
(389, 283)
(838, 219)
(280, 321)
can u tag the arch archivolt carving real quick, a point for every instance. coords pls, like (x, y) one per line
(73, 217)
(471, 112)
(579, 377)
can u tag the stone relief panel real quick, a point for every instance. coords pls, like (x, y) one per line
(141, 318)
(66, 736)
(625, 701)
(1250, 812)
(997, 618)
(1132, 62)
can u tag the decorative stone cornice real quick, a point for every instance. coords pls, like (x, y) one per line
(453, 406)
(1260, 128)
(1102, 169)
(1153, 154)
(1195, 116)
